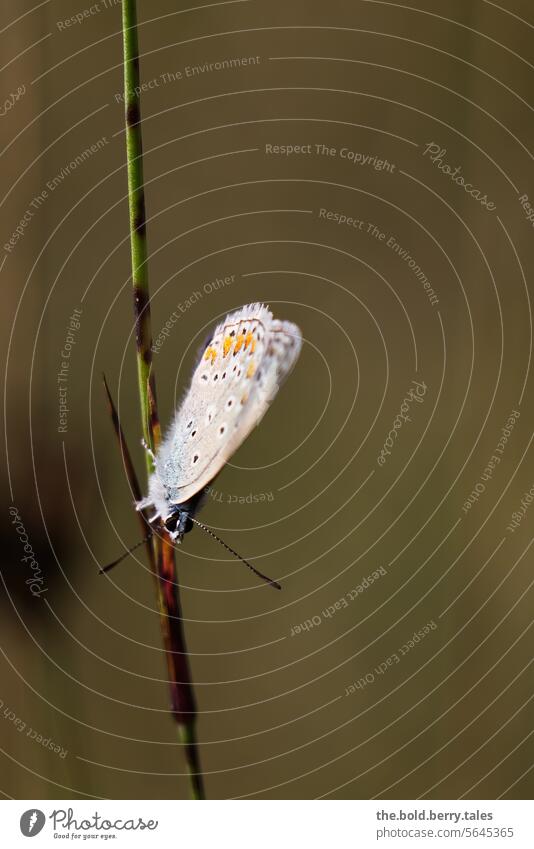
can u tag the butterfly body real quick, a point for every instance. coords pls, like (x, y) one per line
(239, 373)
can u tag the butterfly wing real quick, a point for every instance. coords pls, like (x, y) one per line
(239, 373)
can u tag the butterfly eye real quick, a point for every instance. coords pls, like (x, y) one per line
(172, 521)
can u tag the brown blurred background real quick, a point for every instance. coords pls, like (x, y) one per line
(363, 88)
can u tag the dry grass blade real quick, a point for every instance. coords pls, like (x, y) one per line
(130, 471)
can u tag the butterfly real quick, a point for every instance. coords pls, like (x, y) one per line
(239, 372)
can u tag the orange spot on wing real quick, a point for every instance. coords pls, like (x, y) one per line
(227, 345)
(239, 343)
(248, 339)
(251, 369)
(210, 354)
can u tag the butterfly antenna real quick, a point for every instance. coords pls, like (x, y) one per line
(231, 550)
(123, 556)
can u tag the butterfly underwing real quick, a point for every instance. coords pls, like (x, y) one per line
(239, 372)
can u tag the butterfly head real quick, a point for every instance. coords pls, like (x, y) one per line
(178, 517)
(178, 523)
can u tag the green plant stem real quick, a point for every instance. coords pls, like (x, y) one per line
(162, 562)
(136, 200)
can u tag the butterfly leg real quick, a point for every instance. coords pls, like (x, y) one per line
(148, 450)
